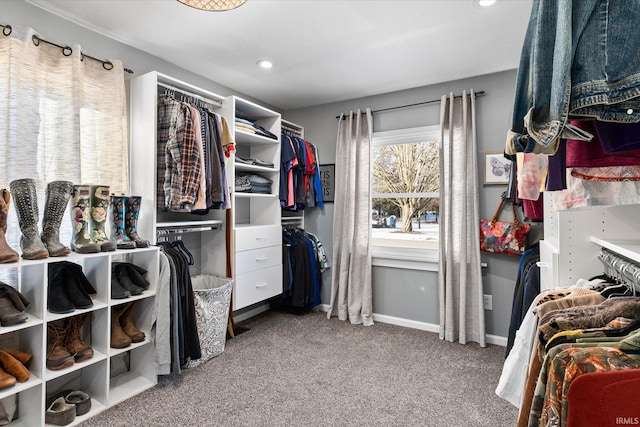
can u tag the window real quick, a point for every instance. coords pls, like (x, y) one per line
(405, 193)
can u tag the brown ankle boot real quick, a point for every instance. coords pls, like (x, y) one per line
(57, 355)
(118, 338)
(24, 358)
(14, 367)
(126, 321)
(7, 254)
(74, 344)
(6, 380)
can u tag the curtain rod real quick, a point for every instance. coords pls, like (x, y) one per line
(66, 50)
(482, 92)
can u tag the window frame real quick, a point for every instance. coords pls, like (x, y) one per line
(400, 257)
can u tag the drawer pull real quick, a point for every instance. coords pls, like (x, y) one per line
(262, 258)
(260, 237)
(261, 285)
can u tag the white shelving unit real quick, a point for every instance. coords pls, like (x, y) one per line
(257, 234)
(573, 238)
(94, 376)
(206, 237)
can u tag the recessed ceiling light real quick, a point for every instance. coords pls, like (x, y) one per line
(264, 63)
(486, 3)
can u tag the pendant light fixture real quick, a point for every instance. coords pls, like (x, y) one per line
(213, 5)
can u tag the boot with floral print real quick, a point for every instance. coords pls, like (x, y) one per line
(80, 211)
(117, 223)
(131, 221)
(99, 208)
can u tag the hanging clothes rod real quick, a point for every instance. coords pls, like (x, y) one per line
(482, 92)
(189, 94)
(66, 50)
(620, 267)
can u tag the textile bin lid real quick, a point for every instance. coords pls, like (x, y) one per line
(209, 282)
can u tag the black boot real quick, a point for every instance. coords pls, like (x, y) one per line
(58, 195)
(26, 205)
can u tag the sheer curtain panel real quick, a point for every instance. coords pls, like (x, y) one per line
(61, 118)
(460, 277)
(351, 294)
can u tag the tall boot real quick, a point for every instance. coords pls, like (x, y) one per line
(118, 338)
(73, 343)
(58, 195)
(99, 210)
(81, 205)
(7, 254)
(126, 321)
(57, 355)
(131, 221)
(117, 224)
(26, 205)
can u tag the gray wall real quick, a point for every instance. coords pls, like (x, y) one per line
(411, 294)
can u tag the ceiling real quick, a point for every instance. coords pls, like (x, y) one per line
(324, 50)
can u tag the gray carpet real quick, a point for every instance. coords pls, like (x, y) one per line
(290, 370)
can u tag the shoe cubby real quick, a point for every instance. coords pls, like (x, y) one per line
(93, 375)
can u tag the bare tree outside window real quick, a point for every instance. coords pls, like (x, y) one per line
(408, 171)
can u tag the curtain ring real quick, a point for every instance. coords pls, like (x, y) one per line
(36, 40)
(67, 51)
(107, 65)
(6, 30)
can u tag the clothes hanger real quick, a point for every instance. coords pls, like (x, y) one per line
(180, 245)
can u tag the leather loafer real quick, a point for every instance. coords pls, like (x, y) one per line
(60, 413)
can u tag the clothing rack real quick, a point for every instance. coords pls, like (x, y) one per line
(620, 268)
(188, 96)
(291, 131)
(175, 230)
(480, 93)
(66, 50)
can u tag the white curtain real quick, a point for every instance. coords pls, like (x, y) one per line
(351, 295)
(61, 118)
(460, 276)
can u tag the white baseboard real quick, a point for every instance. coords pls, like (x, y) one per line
(423, 326)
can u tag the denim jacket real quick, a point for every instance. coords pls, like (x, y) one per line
(580, 59)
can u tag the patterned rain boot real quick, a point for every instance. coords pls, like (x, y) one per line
(58, 195)
(26, 205)
(117, 223)
(131, 221)
(7, 254)
(99, 209)
(80, 207)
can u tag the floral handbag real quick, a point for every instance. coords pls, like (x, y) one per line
(503, 237)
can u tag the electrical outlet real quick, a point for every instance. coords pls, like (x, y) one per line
(488, 302)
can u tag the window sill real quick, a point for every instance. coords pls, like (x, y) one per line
(405, 258)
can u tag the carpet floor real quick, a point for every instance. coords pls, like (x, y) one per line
(290, 370)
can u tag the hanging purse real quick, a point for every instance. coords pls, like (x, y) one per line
(503, 237)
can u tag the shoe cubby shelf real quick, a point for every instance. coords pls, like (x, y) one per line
(110, 375)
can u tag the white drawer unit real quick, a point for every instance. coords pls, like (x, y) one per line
(257, 259)
(261, 236)
(256, 286)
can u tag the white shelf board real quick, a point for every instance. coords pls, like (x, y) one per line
(254, 195)
(243, 167)
(97, 357)
(627, 248)
(188, 223)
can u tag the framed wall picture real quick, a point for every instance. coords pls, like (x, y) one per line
(496, 169)
(328, 182)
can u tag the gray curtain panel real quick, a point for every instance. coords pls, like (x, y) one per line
(351, 295)
(460, 277)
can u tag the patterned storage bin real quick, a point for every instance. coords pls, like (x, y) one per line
(212, 298)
